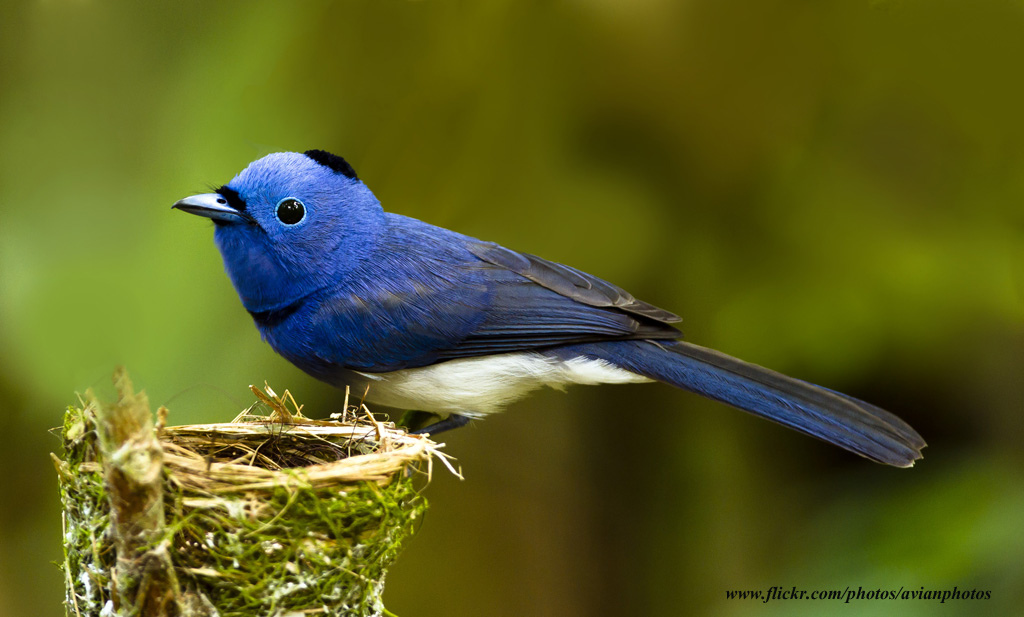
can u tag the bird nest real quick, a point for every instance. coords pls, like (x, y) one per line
(270, 514)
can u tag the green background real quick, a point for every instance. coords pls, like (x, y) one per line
(832, 189)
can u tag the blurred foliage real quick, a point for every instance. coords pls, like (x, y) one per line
(832, 189)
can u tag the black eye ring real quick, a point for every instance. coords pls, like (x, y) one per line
(290, 211)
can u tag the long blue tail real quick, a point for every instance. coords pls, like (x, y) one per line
(831, 416)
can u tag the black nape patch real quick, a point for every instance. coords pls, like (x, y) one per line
(234, 199)
(332, 161)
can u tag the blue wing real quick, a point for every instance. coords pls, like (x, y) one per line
(428, 294)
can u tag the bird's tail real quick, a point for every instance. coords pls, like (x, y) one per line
(847, 422)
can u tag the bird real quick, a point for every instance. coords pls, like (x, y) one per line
(423, 318)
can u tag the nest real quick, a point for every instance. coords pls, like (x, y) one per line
(270, 514)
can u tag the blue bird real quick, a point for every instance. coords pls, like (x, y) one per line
(428, 319)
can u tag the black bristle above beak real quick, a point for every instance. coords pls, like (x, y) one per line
(234, 199)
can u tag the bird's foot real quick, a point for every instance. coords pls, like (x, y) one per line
(446, 424)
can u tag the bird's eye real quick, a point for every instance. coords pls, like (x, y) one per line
(290, 211)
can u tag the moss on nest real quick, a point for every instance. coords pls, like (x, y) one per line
(271, 514)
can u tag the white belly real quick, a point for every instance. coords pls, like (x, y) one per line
(475, 387)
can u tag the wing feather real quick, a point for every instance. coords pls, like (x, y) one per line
(569, 282)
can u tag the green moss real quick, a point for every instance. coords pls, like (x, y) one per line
(299, 548)
(88, 551)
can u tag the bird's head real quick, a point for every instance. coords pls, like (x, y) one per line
(290, 224)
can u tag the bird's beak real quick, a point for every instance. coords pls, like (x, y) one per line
(212, 206)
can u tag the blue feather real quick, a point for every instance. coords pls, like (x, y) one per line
(828, 415)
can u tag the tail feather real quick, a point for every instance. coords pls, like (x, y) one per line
(834, 417)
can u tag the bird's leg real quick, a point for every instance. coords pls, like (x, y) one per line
(447, 424)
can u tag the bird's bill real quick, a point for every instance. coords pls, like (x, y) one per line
(212, 206)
